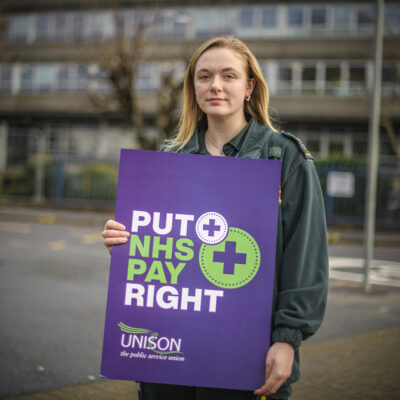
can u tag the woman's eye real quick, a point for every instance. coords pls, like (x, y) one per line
(229, 76)
(203, 77)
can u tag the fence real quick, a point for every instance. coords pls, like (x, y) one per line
(35, 172)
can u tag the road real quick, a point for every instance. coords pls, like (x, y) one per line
(53, 290)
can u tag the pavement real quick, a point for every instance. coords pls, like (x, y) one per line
(357, 366)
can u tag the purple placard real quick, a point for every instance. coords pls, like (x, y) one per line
(190, 294)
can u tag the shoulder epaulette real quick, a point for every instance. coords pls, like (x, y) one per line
(300, 145)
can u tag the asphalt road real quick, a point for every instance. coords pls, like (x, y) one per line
(53, 288)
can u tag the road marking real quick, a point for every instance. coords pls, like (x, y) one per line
(90, 238)
(386, 273)
(18, 243)
(15, 227)
(48, 219)
(58, 245)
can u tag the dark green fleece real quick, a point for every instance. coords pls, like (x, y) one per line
(301, 274)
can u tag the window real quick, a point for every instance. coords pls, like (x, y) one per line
(179, 27)
(392, 18)
(357, 74)
(82, 81)
(5, 78)
(60, 28)
(313, 145)
(43, 28)
(63, 78)
(336, 147)
(309, 74)
(46, 77)
(19, 28)
(247, 18)
(360, 147)
(295, 17)
(341, 19)
(365, 19)
(333, 79)
(27, 79)
(77, 26)
(318, 16)
(269, 17)
(284, 78)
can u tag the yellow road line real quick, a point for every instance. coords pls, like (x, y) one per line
(18, 243)
(15, 227)
(58, 245)
(90, 238)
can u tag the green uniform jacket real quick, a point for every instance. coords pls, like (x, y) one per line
(301, 275)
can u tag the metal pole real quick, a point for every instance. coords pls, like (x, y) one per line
(373, 145)
(39, 175)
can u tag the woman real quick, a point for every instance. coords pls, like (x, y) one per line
(225, 114)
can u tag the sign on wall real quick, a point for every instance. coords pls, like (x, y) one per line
(190, 294)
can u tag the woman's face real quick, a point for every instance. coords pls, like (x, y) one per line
(221, 83)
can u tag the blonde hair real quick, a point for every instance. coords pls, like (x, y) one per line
(191, 113)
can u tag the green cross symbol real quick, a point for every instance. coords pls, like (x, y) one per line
(232, 263)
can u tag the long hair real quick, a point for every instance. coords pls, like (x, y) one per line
(191, 113)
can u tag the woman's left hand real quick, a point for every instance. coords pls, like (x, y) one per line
(278, 367)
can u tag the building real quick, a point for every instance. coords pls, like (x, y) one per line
(316, 56)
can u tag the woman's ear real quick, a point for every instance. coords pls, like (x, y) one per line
(250, 86)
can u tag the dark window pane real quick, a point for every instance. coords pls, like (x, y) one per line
(246, 18)
(332, 74)
(269, 18)
(285, 74)
(389, 74)
(365, 16)
(295, 16)
(318, 16)
(309, 73)
(357, 74)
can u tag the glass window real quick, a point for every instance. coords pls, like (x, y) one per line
(313, 145)
(96, 24)
(332, 74)
(43, 23)
(247, 18)
(19, 28)
(393, 16)
(60, 28)
(309, 73)
(365, 16)
(82, 81)
(389, 74)
(180, 23)
(269, 17)
(357, 74)
(318, 16)
(5, 78)
(336, 147)
(360, 147)
(77, 26)
(295, 16)
(63, 78)
(27, 75)
(341, 18)
(46, 78)
(285, 74)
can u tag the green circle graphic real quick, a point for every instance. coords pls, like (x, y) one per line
(232, 263)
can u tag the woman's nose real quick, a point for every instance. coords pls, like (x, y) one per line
(216, 84)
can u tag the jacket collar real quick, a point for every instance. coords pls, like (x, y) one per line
(256, 136)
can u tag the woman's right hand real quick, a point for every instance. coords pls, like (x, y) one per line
(114, 233)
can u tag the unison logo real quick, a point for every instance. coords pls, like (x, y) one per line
(144, 339)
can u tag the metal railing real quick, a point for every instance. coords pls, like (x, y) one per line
(37, 173)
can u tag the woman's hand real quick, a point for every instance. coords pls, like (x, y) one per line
(278, 367)
(114, 233)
